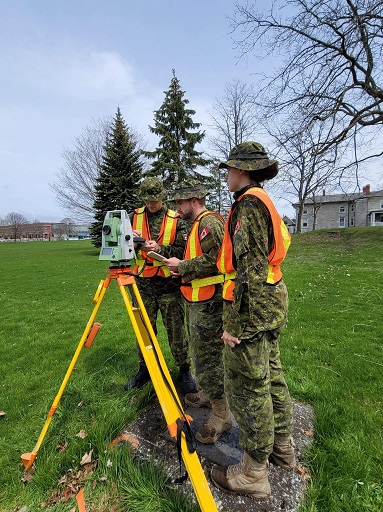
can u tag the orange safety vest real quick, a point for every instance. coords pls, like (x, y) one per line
(282, 240)
(204, 288)
(167, 236)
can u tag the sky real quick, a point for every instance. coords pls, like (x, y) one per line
(66, 62)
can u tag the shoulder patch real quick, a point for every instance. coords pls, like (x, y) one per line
(205, 232)
(237, 226)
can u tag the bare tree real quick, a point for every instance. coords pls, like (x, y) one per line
(16, 221)
(74, 187)
(303, 170)
(233, 121)
(332, 62)
(233, 117)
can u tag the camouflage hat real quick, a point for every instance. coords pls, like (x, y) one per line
(188, 190)
(252, 157)
(152, 189)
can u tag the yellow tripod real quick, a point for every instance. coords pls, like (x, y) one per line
(177, 421)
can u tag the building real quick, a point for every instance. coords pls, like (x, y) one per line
(343, 210)
(40, 231)
(290, 224)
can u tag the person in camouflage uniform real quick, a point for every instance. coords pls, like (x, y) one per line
(159, 291)
(255, 313)
(201, 287)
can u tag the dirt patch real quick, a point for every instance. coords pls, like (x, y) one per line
(287, 487)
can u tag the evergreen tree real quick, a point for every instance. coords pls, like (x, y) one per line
(176, 158)
(120, 174)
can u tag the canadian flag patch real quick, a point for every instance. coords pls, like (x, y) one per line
(237, 226)
(205, 232)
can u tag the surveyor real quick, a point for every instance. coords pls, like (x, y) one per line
(255, 312)
(165, 233)
(201, 287)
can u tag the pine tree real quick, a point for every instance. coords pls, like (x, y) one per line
(120, 174)
(176, 158)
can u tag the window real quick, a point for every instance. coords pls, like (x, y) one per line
(341, 222)
(381, 204)
(341, 209)
(304, 223)
(352, 208)
(351, 222)
(305, 211)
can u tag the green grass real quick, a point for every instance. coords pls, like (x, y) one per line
(331, 350)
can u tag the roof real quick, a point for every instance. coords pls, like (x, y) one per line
(288, 221)
(341, 198)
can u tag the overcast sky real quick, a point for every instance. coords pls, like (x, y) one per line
(64, 63)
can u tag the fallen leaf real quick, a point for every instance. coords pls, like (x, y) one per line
(126, 438)
(87, 458)
(309, 433)
(303, 472)
(27, 477)
(62, 447)
(62, 480)
(80, 404)
(2, 414)
(82, 434)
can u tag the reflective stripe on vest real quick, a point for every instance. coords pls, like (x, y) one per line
(282, 240)
(204, 288)
(166, 236)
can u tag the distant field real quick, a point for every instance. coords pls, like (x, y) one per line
(331, 351)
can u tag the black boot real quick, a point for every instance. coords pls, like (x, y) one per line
(139, 380)
(187, 380)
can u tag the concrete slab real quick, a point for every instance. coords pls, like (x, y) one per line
(288, 487)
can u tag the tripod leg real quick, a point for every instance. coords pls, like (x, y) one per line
(168, 398)
(28, 458)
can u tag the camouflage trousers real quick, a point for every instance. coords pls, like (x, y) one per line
(204, 327)
(257, 393)
(173, 316)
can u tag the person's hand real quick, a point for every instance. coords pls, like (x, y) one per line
(150, 245)
(230, 340)
(172, 265)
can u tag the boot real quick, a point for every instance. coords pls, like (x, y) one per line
(197, 400)
(283, 452)
(219, 421)
(187, 380)
(249, 477)
(139, 380)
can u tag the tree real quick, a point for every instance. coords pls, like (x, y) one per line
(176, 157)
(303, 170)
(16, 221)
(233, 120)
(331, 62)
(120, 174)
(75, 185)
(233, 117)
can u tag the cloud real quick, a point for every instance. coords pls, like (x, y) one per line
(91, 76)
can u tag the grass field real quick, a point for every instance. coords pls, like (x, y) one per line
(331, 350)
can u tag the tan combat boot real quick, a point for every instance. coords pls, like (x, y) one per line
(283, 452)
(219, 421)
(249, 477)
(197, 400)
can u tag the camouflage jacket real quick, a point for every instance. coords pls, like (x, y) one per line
(205, 264)
(257, 306)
